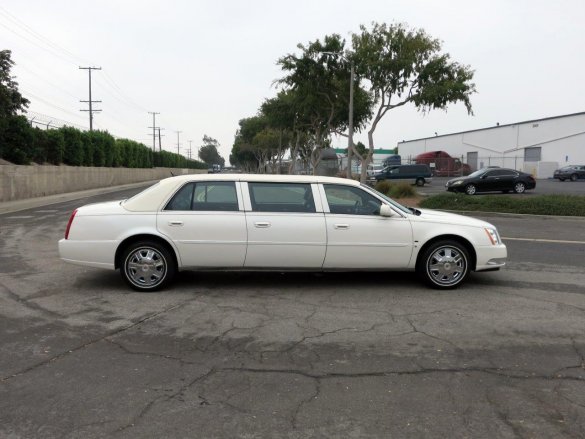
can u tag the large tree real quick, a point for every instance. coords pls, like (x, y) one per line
(319, 81)
(406, 66)
(11, 103)
(209, 152)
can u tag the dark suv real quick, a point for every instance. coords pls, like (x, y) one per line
(415, 174)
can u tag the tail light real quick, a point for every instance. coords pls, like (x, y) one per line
(69, 224)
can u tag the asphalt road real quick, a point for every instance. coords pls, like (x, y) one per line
(271, 355)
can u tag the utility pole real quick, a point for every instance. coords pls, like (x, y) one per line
(178, 144)
(190, 142)
(350, 130)
(159, 141)
(154, 127)
(90, 102)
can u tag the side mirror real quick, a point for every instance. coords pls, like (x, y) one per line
(386, 210)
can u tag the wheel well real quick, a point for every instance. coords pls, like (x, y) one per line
(459, 239)
(144, 237)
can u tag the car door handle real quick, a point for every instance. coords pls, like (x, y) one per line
(341, 226)
(175, 223)
(262, 225)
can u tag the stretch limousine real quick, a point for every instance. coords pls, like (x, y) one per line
(274, 222)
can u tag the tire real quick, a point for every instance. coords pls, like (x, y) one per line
(561, 179)
(470, 189)
(147, 266)
(420, 181)
(519, 187)
(574, 177)
(444, 265)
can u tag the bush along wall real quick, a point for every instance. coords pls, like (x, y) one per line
(22, 144)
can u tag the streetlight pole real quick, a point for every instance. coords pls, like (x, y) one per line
(350, 129)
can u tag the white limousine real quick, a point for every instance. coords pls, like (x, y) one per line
(274, 222)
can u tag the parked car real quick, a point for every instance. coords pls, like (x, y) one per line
(274, 222)
(373, 170)
(573, 173)
(492, 180)
(414, 174)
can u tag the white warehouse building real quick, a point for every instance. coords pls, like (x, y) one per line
(535, 146)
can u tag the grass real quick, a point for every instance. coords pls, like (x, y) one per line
(563, 205)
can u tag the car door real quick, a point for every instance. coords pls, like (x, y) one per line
(357, 236)
(286, 225)
(206, 222)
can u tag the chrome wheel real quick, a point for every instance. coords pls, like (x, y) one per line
(574, 177)
(147, 266)
(470, 189)
(444, 264)
(519, 187)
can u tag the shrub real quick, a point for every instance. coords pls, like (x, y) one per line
(396, 190)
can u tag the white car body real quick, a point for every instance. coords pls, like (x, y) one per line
(324, 237)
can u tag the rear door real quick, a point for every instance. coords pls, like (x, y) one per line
(286, 225)
(207, 224)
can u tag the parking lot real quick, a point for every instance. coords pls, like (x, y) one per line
(293, 355)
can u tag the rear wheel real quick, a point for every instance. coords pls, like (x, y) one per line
(420, 181)
(561, 179)
(470, 189)
(147, 266)
(519, 187)
(444, 265)
(574, 177)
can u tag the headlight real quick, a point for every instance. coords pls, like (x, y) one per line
(493, 235)
(455, 183)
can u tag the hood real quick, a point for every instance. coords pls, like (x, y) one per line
(451, 218)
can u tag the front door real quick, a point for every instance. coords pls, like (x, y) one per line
(358, 237)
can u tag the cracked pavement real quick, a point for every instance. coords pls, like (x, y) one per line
(296, 355)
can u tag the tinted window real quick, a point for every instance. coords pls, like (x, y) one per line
(351, 200)
(213, 196)
(281, 197)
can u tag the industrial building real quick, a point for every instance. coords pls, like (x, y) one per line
(536, 146)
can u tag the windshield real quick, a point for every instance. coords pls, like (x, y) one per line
(389, 200)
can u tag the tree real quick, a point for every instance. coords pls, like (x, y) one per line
(319, 80)
(208, 152)
(404, 66)
(11, 101)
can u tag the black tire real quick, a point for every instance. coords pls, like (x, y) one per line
(573, 177)
(147, 266)
(561, 179)
(470, 189)
(444, 264)
(420, 181)
(519, 187)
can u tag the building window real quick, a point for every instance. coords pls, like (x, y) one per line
(532, 154)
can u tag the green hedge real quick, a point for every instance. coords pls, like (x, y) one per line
(395, 190)
(563, 205)
(22, 144)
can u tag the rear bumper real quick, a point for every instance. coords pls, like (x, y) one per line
(99, 254)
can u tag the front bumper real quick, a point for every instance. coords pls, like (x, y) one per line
(491, 257)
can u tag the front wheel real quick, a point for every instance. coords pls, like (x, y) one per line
(574, 177)
(470, 189)
(519, 187)
(444, 265)
(147, 266)
(420, 181)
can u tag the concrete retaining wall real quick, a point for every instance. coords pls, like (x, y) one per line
(22, 182)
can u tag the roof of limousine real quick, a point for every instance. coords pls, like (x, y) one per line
(151, 198)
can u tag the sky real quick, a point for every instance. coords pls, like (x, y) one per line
(204, 65)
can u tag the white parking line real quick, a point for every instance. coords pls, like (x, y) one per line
(556, 241)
